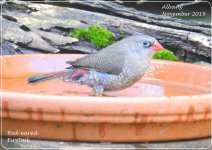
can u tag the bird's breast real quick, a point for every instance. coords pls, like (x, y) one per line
(130, 75)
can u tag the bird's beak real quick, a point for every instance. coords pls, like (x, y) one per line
(157, 46)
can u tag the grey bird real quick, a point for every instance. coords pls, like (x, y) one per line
(113, 68)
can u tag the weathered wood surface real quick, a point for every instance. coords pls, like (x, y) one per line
(176, 34)
(142, 16)
(204, 143)
(30, 19)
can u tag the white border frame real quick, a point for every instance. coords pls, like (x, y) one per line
(97, 142)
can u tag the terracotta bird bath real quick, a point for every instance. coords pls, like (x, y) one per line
(171, 102)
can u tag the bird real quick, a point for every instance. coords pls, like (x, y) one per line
(113, 68)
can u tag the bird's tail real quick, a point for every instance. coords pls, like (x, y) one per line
(48, 76)
(72, 74)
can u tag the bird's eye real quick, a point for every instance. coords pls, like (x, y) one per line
(146, 43)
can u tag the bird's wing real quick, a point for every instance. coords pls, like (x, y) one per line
(111, 62)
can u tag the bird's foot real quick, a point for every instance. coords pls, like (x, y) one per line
(98, 90)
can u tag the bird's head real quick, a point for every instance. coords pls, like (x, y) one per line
(144, 45)
(150, 43)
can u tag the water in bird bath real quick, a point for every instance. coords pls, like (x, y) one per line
(146, 87)
(163, 78)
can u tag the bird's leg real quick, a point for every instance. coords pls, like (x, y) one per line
(98, 90)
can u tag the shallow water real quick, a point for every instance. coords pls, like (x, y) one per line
(146, 87)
